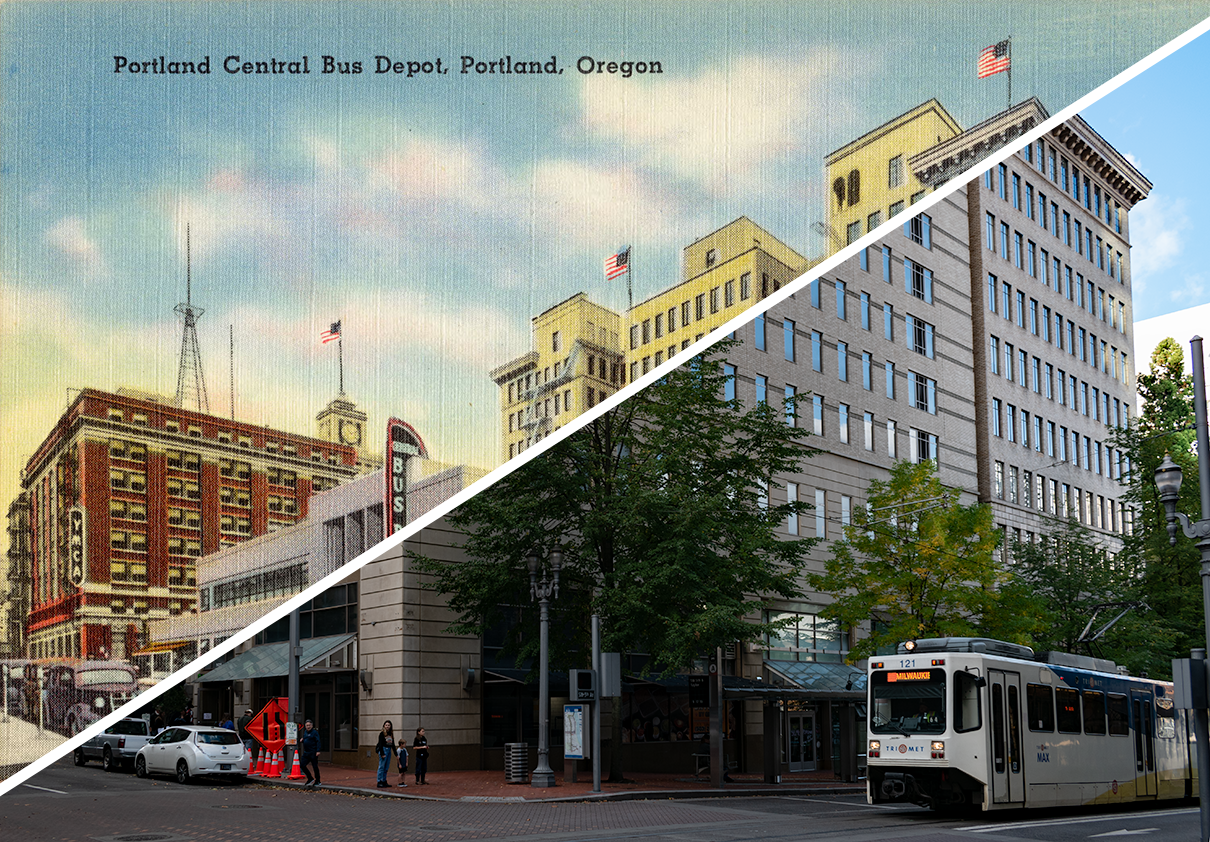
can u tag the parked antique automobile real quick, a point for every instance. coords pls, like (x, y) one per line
(76, 693)
(12, 678)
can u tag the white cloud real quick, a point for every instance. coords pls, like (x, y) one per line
(1157, 229)
(71, 238)
(726, 123)
(232, 210)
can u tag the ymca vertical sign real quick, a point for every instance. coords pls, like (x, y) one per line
(403, 443)
(76, 554)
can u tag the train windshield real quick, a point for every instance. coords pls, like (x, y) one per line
(908, 702)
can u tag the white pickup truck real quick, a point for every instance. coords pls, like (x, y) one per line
(117, 745)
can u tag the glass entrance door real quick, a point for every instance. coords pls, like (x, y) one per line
(317, 706)
(800, 741)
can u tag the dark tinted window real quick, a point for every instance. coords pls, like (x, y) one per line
(1094, 712)
(1119, 715)
(1039, 699)
(1067, 703)
(129, 727)
(217, 738)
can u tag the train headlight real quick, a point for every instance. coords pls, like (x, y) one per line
(875, 749)
(910, 646)
(938, 747)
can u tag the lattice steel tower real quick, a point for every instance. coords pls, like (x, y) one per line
(190, 381)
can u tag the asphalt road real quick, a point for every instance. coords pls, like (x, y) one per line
(67, 803)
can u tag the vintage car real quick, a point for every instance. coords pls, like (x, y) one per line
(76, 693)
(12, 679)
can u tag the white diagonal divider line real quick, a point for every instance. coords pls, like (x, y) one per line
(533, 452)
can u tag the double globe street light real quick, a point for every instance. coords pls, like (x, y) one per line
(1168, 484)
(543, 591)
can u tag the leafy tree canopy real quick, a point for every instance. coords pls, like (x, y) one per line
(1168, 577)
(661, 507)
(916, 564)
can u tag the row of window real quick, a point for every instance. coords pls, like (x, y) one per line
(1030, 372)
(853, 231)
(1049, 496)
(269, 584)
(172, 425)
(1083, 293)
(1054, 165)
(1097, 457)
(695, 310)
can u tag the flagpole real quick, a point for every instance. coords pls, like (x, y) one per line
(1010, 72)
(340, 355)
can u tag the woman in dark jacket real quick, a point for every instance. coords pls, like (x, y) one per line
(420, 748)
(385, 750)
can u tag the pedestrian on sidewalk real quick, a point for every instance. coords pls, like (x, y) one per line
(420, 747)
(309, 748)
(385, 748)
(402, 753)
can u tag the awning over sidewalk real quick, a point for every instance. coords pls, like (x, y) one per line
(273, 659)
(831, 681)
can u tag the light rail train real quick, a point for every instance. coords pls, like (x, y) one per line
(974, 722)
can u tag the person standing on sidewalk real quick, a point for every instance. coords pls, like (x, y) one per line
(385, 749)
(402, 753)
(308, 748)
(420, 747)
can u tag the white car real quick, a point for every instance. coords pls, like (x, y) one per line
(191, 750)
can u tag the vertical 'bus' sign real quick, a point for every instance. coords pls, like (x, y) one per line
(75, 546)
(403, 443)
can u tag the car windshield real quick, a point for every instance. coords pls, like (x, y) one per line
(908, 702)
(130, 727)
(218, 738)
(94, 677)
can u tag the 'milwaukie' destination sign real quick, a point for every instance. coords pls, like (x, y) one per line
(381, 65)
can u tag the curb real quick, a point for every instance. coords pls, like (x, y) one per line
(758, 790)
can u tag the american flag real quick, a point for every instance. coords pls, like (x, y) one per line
(617, 264)
(994, 59)
(330, 334)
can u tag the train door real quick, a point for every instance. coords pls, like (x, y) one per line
(1143, 721)
(1007, 767)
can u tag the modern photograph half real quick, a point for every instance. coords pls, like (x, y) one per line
(275, 288)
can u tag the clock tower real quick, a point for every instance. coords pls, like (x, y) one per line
(342, 422)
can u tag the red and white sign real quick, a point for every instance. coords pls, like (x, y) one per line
(269, 726)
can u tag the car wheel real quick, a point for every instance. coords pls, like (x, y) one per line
(72, 726)
(78, 756)
(182, 772)
(140, 767)
(107, 760)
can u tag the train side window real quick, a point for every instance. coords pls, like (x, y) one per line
(968, 713)
(1014, 729)
(1119, 715)
(1067, 702)
(1094, 712)
(1039, 699)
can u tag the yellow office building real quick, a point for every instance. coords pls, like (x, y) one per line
(869, 178)
(584, 352)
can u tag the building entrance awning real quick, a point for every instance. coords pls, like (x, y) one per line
(273, 659)
(819, 680)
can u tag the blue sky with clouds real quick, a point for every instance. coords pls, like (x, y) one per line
(1161, 120)
(435, 214)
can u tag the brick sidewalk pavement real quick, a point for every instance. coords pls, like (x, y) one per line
(491, 786)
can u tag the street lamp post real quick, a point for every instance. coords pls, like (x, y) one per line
(1168, 483)
(543, 591)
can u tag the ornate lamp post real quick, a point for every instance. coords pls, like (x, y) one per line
(1168, 483)
(543, 591)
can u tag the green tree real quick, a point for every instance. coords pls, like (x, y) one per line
(915, 564)
(1070, 572)
(1167, 576)
(662, 509)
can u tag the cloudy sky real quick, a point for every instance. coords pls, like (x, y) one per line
(434, 215)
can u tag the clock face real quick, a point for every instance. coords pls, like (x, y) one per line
(350, 433)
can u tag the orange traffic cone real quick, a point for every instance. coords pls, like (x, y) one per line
(295, 772)
(259, 764)
(275, 769)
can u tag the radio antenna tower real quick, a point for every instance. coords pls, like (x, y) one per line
(190, 381)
